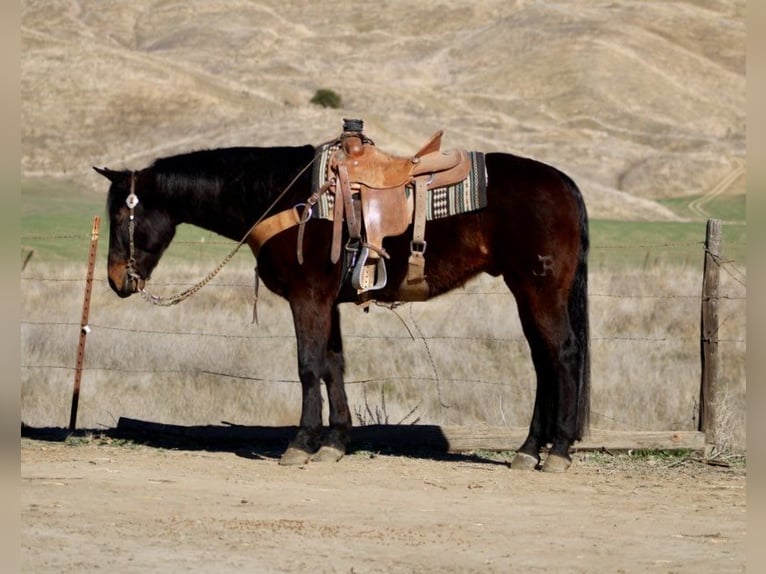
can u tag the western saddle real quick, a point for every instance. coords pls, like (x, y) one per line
(373, 195)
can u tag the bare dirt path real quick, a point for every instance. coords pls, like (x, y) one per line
(698, 205)
(95, 506)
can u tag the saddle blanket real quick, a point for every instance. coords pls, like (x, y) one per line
(468, 195)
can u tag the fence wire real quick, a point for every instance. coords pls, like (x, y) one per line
(730, 267)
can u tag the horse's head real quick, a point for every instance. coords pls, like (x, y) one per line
(140, 229)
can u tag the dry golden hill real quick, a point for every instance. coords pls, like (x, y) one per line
(636, 100)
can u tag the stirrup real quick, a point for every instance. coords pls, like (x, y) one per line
(380, 272)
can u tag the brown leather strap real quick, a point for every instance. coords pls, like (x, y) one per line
(419, 219)
(344, 206)
(337, 224)
(305, 216)
(352, 221)
(415, 287)
(270, 226)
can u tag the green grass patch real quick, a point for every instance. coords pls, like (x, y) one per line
(727, 208)
(57, 218)
(98, 439)
(646, 244)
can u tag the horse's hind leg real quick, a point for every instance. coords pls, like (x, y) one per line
(551, 340)
(528, 455)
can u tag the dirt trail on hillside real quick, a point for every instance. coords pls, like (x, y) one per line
(132, 508)
(697, 206)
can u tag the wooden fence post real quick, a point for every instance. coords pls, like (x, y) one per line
(84, 328)
(710, 386)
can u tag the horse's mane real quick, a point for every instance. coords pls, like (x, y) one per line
(232, 163)
(244, 172)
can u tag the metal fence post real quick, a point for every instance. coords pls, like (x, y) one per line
(84, 328)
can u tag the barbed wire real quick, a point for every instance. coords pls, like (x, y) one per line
(649, 245)
(727, 266)
(54, 279)
(55, 237)
(216, 241)
(501, 293)
(385, 337)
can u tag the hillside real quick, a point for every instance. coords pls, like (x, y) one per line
(636, 100)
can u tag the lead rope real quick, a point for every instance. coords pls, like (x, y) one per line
(160, 301)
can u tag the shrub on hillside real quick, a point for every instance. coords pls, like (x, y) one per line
(326, 98)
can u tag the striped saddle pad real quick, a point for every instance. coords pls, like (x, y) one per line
(467, 195)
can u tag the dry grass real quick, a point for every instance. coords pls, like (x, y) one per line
(204, 362)
(635, 100)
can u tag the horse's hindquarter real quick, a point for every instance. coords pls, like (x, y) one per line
(534, 213)
(529, 229)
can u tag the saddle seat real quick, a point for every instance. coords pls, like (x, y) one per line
(370, 166)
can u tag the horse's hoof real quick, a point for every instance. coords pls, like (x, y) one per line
(294, 456)
(524, 461)
(328, 454)
(556, 463)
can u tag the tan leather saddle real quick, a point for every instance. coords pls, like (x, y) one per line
(374, 196)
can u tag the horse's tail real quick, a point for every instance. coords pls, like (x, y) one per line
(578, 319)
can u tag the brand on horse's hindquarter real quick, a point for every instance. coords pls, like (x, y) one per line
(545, 266)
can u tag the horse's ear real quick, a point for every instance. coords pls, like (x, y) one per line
(111, 174)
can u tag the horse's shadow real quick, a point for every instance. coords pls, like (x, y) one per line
(266, 443)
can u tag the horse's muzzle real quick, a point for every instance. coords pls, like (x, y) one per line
(122, 282)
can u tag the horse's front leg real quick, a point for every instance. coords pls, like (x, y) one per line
(334, 442)
(307, 439)
(312, 329)
(320, 356)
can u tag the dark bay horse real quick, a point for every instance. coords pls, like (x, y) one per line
(533, 232)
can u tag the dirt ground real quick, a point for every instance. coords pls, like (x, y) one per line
(97, 504)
